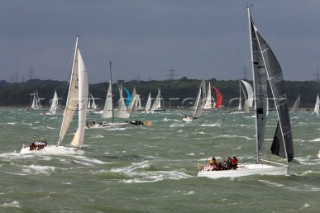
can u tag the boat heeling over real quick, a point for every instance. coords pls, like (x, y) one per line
(246, 170)
(52, 150)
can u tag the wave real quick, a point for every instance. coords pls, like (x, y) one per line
(177, 125)
(87, 161)
(214, 124)
(143, 176)
(13, 204)
(234, 136)
(36, 169)
(315, 140)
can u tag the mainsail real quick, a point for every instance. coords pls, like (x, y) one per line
(121, 111)
(54, 104)
(208, 101)
(148, 104)
(108, 106)
(198, 105)
(77, 97)
(264, 65)
(296, 105)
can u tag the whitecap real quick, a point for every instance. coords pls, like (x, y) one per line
(214, 124)
(315, 140)
(35, 169)
(177, 125)
(89, 160)
(234, 136)
(188, 193)
(13, 204)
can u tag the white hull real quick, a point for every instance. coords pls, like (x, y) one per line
(319, 154)
(108, 126)
(246, 170)
(53, 150)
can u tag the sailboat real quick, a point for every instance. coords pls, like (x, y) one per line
(148, 104)
(35, 105)
(54, 104)
(219, 98)
(158, 103)
(92, 103)
(198, 105)
(264, 66)
(296, 105)
(108, 111)
(316, 106)
(248, 97)
(209, 101)
(77, 101)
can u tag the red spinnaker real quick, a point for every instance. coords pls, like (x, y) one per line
(219, 97)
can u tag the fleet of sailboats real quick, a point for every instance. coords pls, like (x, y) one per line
(77, 101)
(264, 66)
(266, 71)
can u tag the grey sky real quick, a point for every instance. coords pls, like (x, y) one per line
(199, 38)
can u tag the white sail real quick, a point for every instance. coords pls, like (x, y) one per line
(240, 99)
(157, 104)
(208, 102)
(54, 103)
(316, 107)
(93, 102)
(121, 111)
(108, 106)
(198, 108)
(296, 104)
(36, 105)
(138, 103)
(77, 95)
(249, 93)
(148, 104)
(132, 104)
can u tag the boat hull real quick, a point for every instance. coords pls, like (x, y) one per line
(52, 150)
(246, 170)
(107, 126)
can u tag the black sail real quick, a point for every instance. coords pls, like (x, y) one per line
(260, 89)
(276, 82)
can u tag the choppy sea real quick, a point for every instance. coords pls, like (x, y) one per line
(154, 169)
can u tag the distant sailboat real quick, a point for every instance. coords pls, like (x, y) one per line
(77, 101)
(148, 104)
(158, 103)
(219, 98)
(54, 104)
(247, 93)
(209, 100)
(109, 112)
(36, 104)
(92, 103)
(264, 66)
(316, 106)
(296, 105)
(198, 105)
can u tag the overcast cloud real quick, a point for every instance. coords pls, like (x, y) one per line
(144, 38)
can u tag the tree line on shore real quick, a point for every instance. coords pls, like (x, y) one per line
(173, 91)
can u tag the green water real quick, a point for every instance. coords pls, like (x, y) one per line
(153, 169)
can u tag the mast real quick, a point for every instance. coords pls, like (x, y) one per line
(110, 65)
(260, 87)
